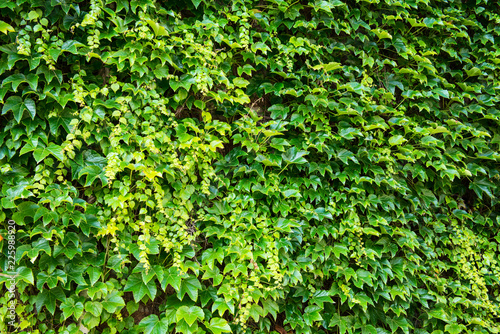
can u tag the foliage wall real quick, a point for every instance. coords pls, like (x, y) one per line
(250, 166)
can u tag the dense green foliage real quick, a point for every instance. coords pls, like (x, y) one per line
(251, 167)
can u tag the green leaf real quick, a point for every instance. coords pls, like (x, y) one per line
(473, 72)
(346, 155)
(48, 298)
(30, 105)
(113, 302)
(396, 140)
(5, 27)
(50, 278)
(25, 274)
(186, 193)
(349, 133)
(139, 288)
(340, 249)
(428, 197)
(196, 3)
(161, 72)
(41, 153)
(454, 328)
(396, 323)
(320, 297)
(439, 313)
(382, 33)
(214, 274)
(71, 45)
(482, 186)
(189, 314)
(69, 307)
(218, 326)
(92, 173)
(153, 325)
(14, 103)
(270, 306)
(442, 92)
(240, 82)
(94, 307)
(256, 312)
(292, 156)
(190, 285)
(32, 80)
(329, 66)
(158, 29)
(15, 79)
(173, 277)
(155, 270)
(368, 329)
(62, 119)
(56, 151)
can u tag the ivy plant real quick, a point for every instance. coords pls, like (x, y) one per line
(250, 166)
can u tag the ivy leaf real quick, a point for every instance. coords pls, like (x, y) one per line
(482, 186)
(63, 119)
(70, 46)
(240, 82)
(214, 274)
(349, 133)
(392, 83)
(396, 140)
(428, 197)
(320, 297)
(153, 325)
(41, 153)
(56, 151)
(14, 103)
(346, 155)
(332, 66)
(25, 274)
(94, 307)
(48, 298)
(113, 302)
(442, 92)
(186, 192)
(473, 72)
(173, 277)
(158, 29)
(94, 274)
(5, 27)
(30, 105)
(381, 34)
(454, 328)
(270, 306)
(368, 329)
(189, 314)
(396, 323)
(15, 79)
(75, 274)
(69, 307)
(50, 278)
(139, 288)
(439, 313)
(292, 156)
(218, 326)
(161, 72)
(92, 173)
(190, 285)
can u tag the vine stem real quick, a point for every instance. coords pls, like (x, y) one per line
(105, 260)
(283, 169)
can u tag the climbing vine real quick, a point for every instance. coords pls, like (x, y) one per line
(249, 166)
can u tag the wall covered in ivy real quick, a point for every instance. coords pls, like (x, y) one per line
(249, 166)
